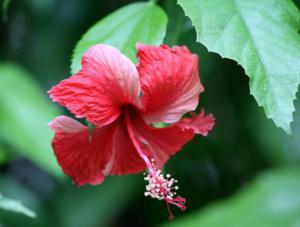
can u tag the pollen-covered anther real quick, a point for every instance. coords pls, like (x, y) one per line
(163, 188)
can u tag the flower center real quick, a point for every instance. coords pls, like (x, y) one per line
(158, 187)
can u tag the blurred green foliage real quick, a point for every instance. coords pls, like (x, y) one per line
(272, 200)
(24, 113)
(4, 9)
(40, 36)
(15, 206)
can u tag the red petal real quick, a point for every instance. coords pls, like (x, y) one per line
(81, 158)
(160, 143)
(125, 159)
(200, 124)
(169, 81)
(87, 161)
(107, 81)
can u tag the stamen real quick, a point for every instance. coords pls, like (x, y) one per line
(171, 215)
(158, 186)
(162, 188)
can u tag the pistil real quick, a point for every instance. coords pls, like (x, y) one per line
(158, 187)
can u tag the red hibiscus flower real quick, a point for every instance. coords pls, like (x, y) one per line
(122, 101)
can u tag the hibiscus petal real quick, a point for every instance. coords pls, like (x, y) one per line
(97, 92)
(200, 124)
(81, 157)
(124, 159)
(169, 81)
(160, 143)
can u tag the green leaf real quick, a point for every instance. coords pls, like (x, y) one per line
(261, 36)
(137, 22)
(272, 200)
(24, 114)
(15, 206)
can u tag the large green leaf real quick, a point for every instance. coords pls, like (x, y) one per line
(137, 22)
(272, 200)
(15, 206)
(24, 114)
(263, 37)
